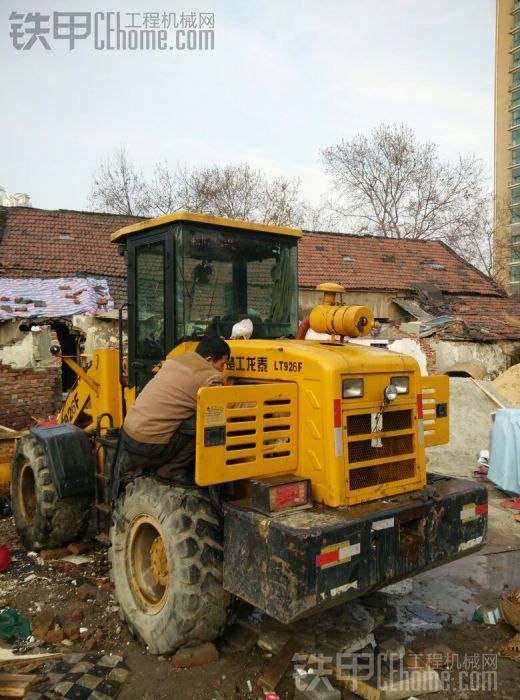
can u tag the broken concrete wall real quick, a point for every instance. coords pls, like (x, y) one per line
(495, 357)
(28, 394)
(26, 349)
(406, 346)
(99, 332)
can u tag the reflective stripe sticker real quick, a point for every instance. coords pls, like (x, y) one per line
(383, 524)
(421, 431)
(350, 551)
(472, 511)
(335, 554)
(338, 433)
(470, 543)
(338, 442)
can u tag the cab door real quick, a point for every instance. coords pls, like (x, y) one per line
(150, 304)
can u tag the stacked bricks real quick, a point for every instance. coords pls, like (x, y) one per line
(28, 393)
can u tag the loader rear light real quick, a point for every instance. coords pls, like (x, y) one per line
(280, 493)
(288, 495)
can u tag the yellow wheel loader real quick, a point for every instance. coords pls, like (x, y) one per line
(309, 485)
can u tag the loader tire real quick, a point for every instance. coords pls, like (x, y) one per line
(166, 554)
(42, 519)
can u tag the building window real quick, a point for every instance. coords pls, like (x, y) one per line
(517, 21)
(515, 176)
(515, 117)
(516, 39)
(515, 215)
(515, 98)
(515, 273)
(515, 156)
(516, 137)
(515, 254)
(516, 77)
(515, 195)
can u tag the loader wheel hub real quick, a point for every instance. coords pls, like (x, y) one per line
(27, 493)
(148, 563)
(159, 561)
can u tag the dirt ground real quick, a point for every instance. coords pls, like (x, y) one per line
(35, 589)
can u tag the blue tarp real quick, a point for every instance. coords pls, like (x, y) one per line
(504, 458)
(51, 298)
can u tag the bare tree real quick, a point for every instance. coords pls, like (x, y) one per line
(118, 187)
(391, 184)
(235, 191)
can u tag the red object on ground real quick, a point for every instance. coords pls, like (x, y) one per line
(5, 557)
(513, 503)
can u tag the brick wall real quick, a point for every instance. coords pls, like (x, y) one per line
(28, 393)
(431, 356)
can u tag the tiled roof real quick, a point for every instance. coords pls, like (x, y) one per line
(60, 242)
(66, 243)
(492, 318)
(372, 262)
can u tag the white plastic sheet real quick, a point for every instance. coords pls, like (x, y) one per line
(504, 459)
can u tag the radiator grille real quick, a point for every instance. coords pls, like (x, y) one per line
(370, 438)
(364, 450)
(394, 420)
(381, 474)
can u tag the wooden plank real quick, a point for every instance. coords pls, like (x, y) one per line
(488, 391)
(7, 658)
(274, 671)
(356, 686)
(15, 685)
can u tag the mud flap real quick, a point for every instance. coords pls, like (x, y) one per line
(295, 564)
(71, 460)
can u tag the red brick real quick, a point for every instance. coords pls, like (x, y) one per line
(78, 547)
(89, 643)
(50, 554)
(72, 633)
(83, 594)
(55, 636)
(195, 656)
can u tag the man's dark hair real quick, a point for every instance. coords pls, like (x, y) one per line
(214, 347)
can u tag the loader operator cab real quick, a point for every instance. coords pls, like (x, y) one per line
(191, 275)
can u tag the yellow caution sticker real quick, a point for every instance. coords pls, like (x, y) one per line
(215, 414)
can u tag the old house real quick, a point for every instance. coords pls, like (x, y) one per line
(60, 278)
(460, 314)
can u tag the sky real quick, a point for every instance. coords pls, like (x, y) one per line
(285, 79)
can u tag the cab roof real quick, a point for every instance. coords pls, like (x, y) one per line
(192, 217)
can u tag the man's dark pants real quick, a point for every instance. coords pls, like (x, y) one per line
(166, 461)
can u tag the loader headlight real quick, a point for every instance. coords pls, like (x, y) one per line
(390, 393)
(352, 388)
(402, 384)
